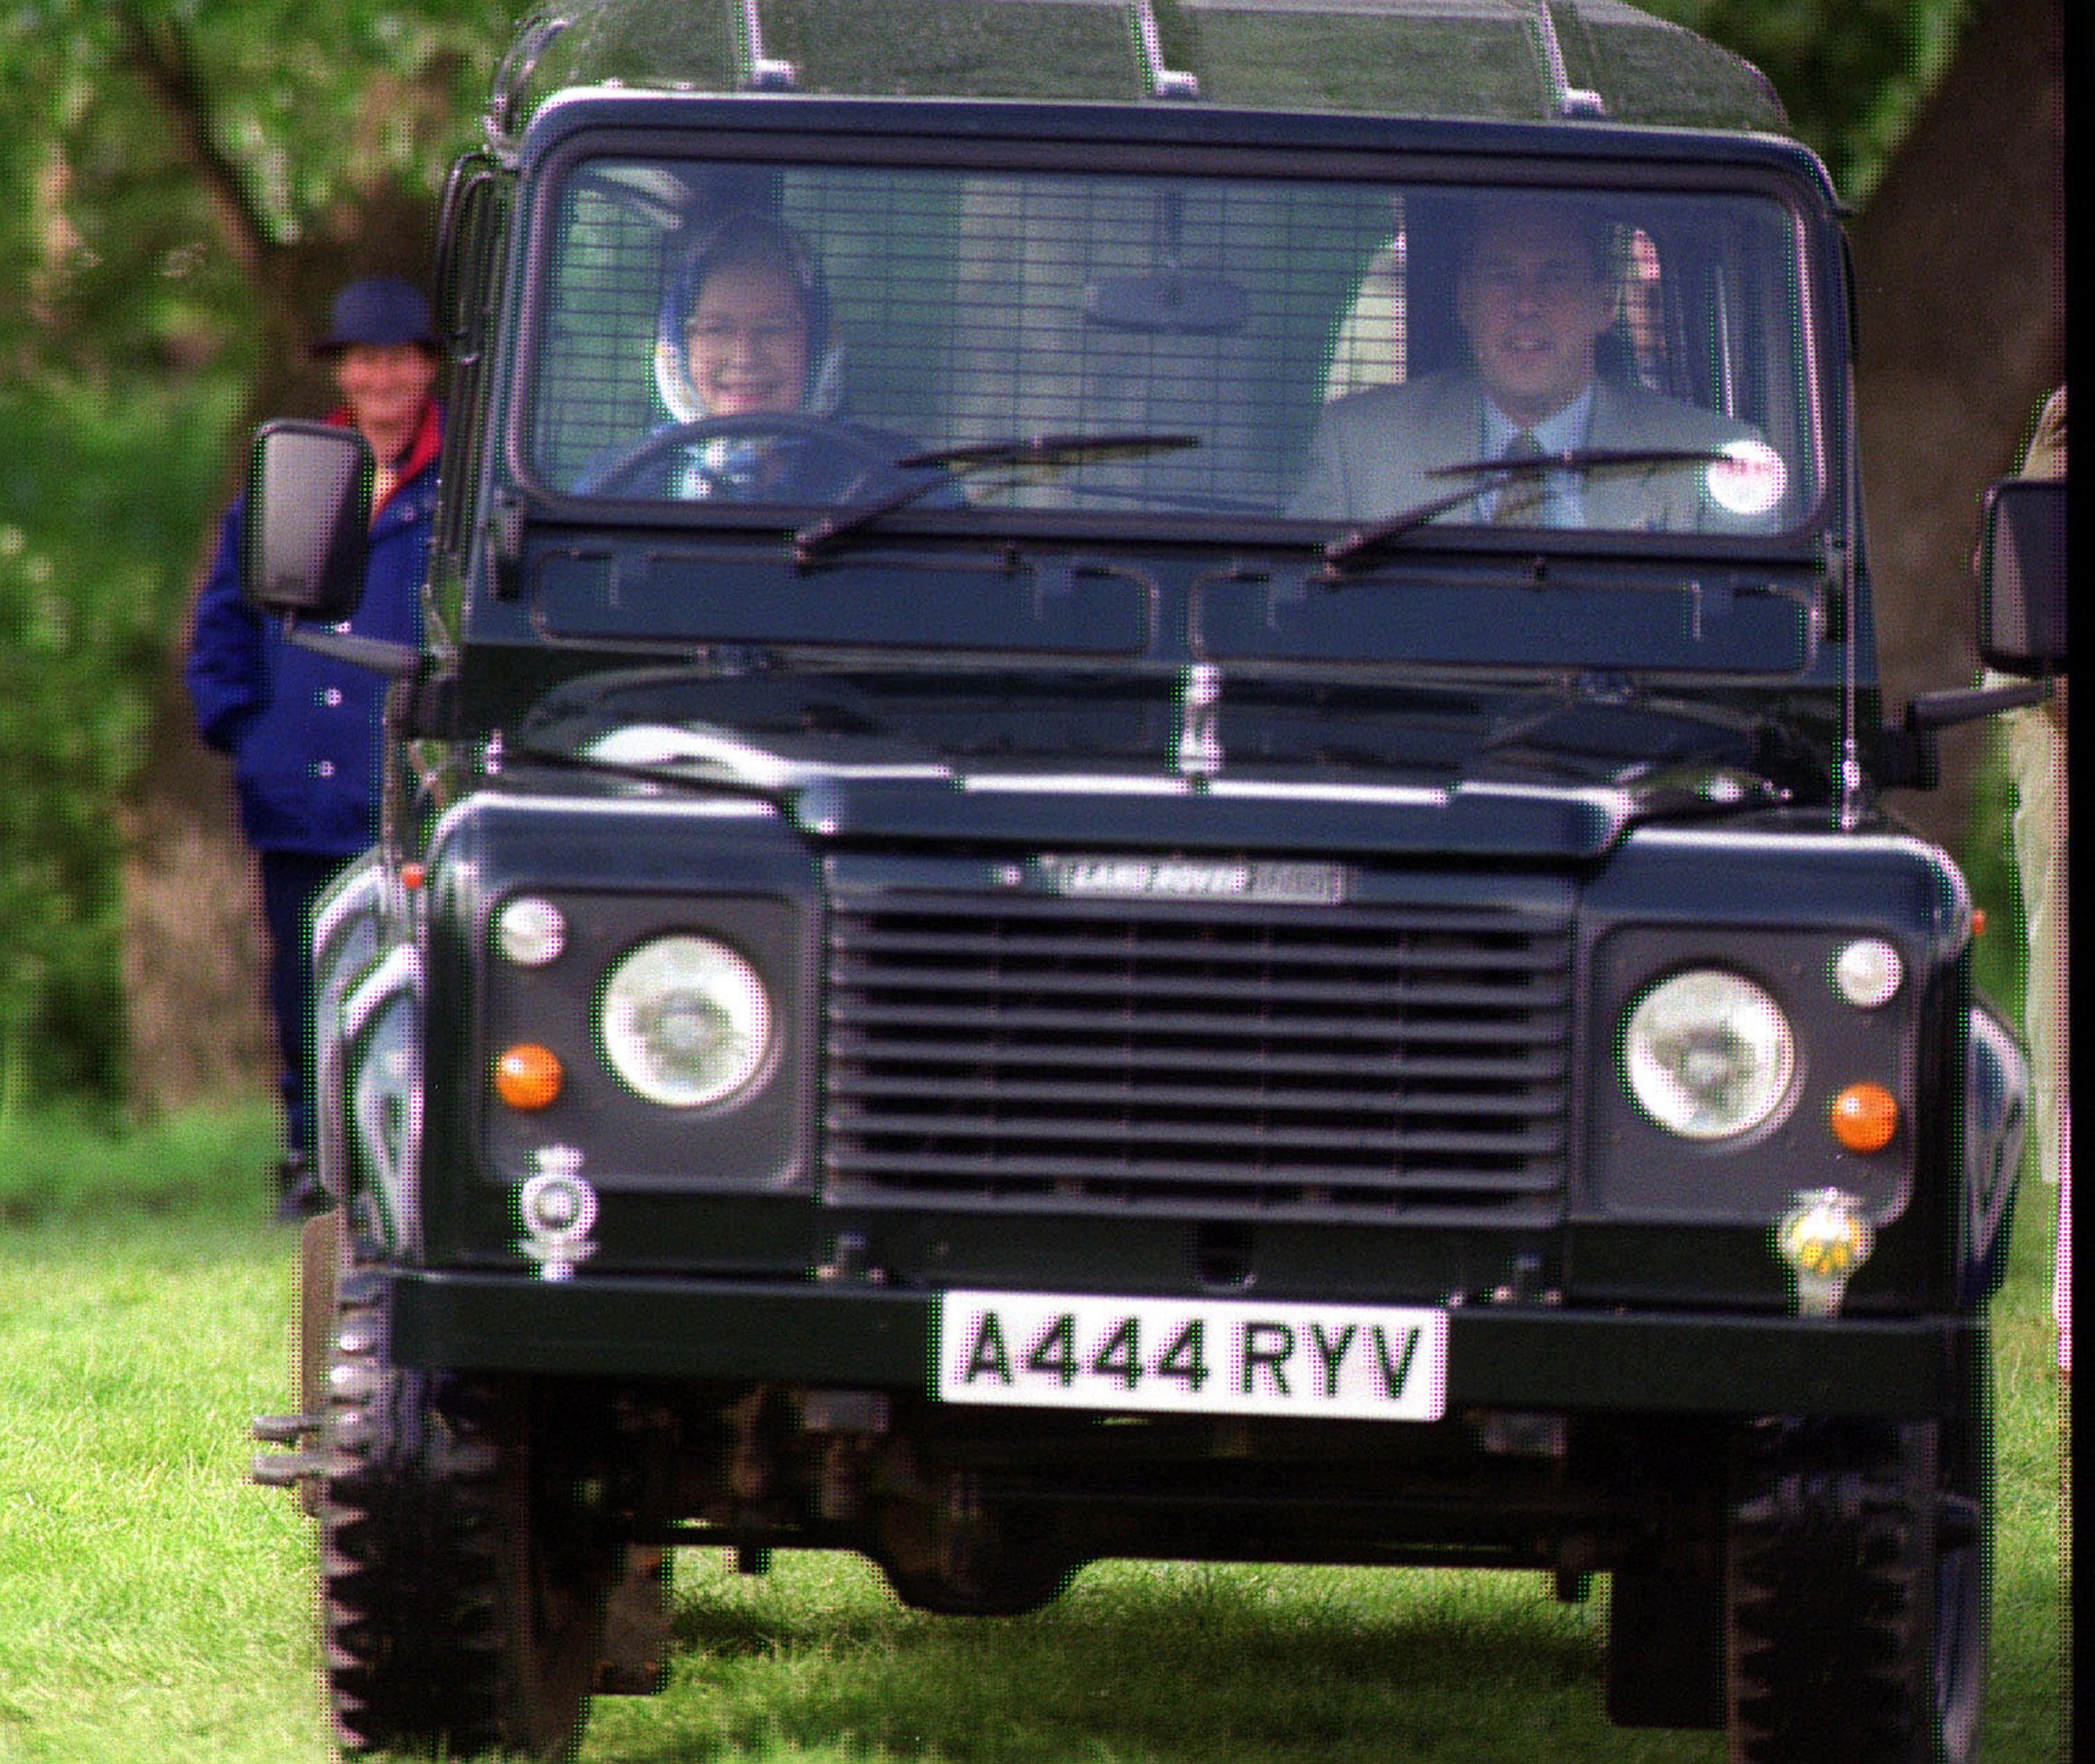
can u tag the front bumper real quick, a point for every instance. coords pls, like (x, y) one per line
(1515, 1357)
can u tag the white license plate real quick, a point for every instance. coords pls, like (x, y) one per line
(1207, 1356)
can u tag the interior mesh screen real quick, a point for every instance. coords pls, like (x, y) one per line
(976, 308)
(979, 307)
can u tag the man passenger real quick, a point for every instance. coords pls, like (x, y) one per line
(1534, 294)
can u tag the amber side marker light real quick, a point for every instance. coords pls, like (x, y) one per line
(1865, 1117)
(528, 1076)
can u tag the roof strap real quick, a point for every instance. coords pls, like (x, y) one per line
(1163, 82)
(1571, 100)
(760, 73)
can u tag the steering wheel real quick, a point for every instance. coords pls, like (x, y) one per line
(650, 450)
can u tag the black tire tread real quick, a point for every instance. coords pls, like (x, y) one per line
(412, 1533)
(1830, 1615)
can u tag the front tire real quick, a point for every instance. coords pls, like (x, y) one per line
(462, 1607)
(1857, 1592)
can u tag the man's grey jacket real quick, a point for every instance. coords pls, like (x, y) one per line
(1371, 452)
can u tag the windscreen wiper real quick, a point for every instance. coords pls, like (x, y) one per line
(942, 466)
(1363, 542)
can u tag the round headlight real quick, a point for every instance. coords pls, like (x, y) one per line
(1707, 1054)
(684, 1020)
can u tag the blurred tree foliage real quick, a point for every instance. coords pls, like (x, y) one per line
(1850, 72)
(97, 495)
(181, 182)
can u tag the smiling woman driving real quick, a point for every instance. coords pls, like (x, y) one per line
(747, 365)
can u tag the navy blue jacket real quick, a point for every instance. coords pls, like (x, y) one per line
(305, 731)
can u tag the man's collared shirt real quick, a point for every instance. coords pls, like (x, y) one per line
(1562, 504)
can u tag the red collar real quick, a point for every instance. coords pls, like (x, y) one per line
(429, 439)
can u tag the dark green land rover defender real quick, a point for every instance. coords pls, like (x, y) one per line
(1141, 821)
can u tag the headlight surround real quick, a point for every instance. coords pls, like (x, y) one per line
(684, 1020)
(1707, 1054)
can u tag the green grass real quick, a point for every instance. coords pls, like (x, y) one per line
(155, 1607)
(152, 1605)
(205, 1162)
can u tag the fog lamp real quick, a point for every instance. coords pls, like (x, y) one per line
(1867, 972)
(531, 930)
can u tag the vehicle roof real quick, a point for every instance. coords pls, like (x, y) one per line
(1507, 60)
(645, 120)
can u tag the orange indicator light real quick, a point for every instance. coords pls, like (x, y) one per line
(1865, 1117)
(528, 1076)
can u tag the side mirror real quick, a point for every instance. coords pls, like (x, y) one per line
(308, 524)
(2022, 577)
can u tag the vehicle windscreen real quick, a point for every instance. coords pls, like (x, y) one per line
(952, 347)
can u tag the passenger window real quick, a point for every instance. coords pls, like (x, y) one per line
(1643, 322)
(1578, 322)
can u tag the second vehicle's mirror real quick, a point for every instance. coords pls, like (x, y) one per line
(2022, 577)
(306, 535)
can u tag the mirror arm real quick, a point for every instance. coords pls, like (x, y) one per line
(1911, 757)
(381, 655)
(1968, 704)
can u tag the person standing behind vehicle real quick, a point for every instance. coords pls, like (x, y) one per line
(2036, 761)
(304, 730)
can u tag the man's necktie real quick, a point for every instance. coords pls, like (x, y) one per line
(1520, 493)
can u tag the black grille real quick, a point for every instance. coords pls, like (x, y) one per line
(1365, 1062)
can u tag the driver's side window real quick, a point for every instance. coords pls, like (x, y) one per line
(593, 389)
